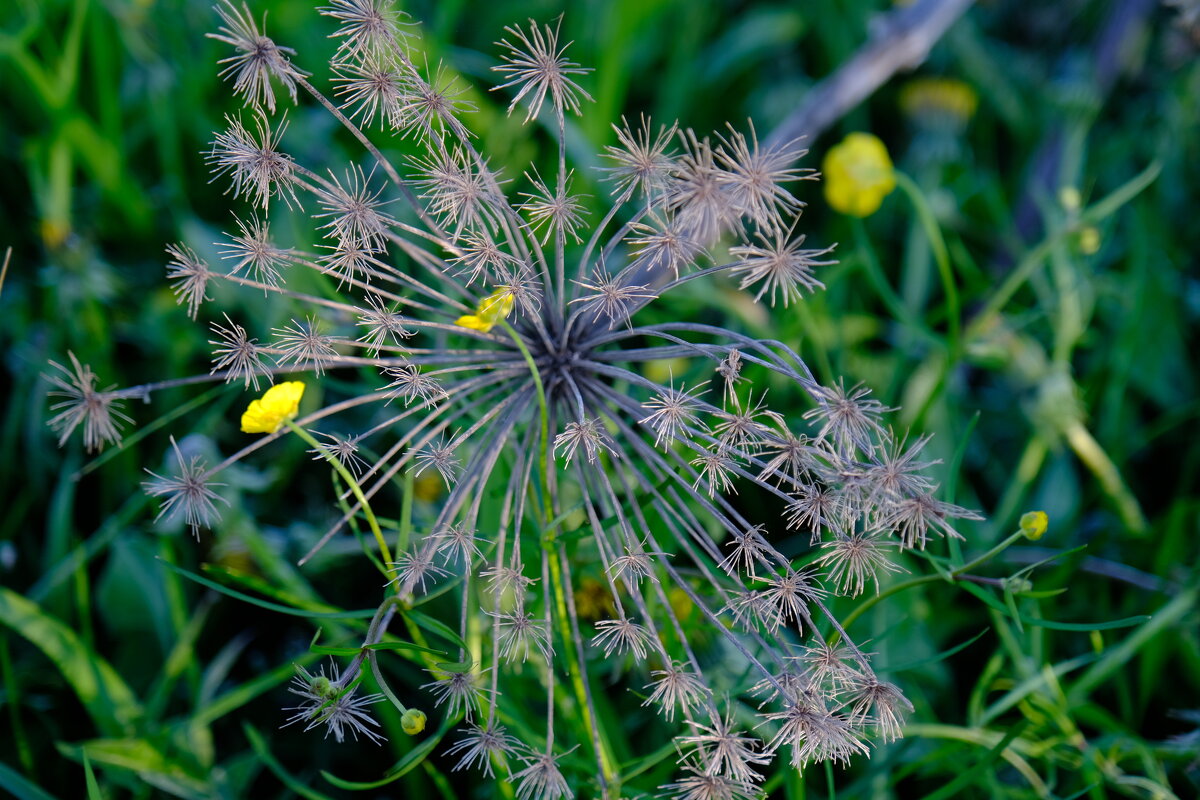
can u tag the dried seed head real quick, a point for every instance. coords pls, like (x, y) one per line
(536, 64)
(541, 779)
(522, 633)
(642, 161)
(722, 749)
(554, 212)
(258, 59)
(610, 297)
(257, 169)
(676, 687)
(432, 108)
(853, 559)
(716, 470)
(814, 733)
(237, 354)
(915, 516)
(752, 176)
(624, 636)
(353, 211)
(588, 434)
(253, 248)
(878, 704)
(382, 324)
(849, 419)
(412, 385)
(373, 93)
(701, 784)
(674, 413)
(458, 542)
(191, 275)
(697, 195)
(665, 243)
(415, 568)
(438, 454)
(780, 264)
(188, 494)
(481, 744)
(459, 689)
(328, 702)
(345, 450)
(749, 550)
(302, 343)
(98, 411)
(370, 30)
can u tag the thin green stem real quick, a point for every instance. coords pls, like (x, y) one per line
(405, 513)
(354, 487)
(905, 585)
(941, 256)
(543, 455)
(548, 545)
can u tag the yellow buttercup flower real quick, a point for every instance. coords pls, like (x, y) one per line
(858, 175)
(277, 405)
(939, 102)
(492, 309)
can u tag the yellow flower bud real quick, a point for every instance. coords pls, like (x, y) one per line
(493, 308)
(278, 404)
(1034, 524)
(1089, 240)
(412, 721)
(858, 174)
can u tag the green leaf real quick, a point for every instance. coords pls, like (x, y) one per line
(329, 650)
(412, 758)
(244, 693)
(986, 597)
(109, 701)
(1116, 658)
(432, 625)
(267, 604)
(19, 786)
(286, 778)
(965, 779)
(416, 648)
(150, 764)
(942, 656)
(93, 788)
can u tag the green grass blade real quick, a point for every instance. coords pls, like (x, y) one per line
(402, 767)
(286, 778)
(267, 604)
(986, 597)
(19, 786)
(110, 702)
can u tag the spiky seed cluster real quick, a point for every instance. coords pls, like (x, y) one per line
(99, 412)
(554, 396)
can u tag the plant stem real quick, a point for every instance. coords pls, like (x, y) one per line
(955, 573)
(941, 256)
(354, 487)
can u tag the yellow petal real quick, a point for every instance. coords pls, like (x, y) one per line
(472, 322)
(858, 175)
(279, 403)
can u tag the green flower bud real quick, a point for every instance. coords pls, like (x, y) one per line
(413, 721)
(321, 687)
(1034, 524)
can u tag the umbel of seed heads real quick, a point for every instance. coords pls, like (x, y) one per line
(502, 315)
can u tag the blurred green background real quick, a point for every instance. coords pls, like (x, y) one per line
(1067, 385)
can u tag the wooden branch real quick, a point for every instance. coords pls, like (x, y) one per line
(903, 40)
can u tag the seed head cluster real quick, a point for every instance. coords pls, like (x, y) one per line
(502, 315)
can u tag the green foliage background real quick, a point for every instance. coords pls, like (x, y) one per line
(1069, 386)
